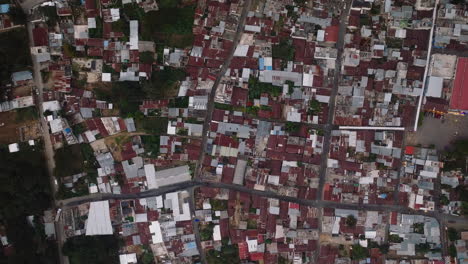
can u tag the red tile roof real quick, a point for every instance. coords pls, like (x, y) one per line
(459, 100)
(331, 34)
(40, 36)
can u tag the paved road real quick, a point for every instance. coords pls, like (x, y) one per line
(48, 149)
(331, 111)
(221, 73)
(460, 220)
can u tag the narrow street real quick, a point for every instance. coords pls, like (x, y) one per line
(331, 111)
(221, 73)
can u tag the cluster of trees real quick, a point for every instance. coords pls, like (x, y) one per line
(74, 159)
(14, 53)
(164, 83)
(284, 51)
(293, 126)
(256, 88)
(206, 233)
(25, 191)
(129, 95)
(92, 249)
(228, 255)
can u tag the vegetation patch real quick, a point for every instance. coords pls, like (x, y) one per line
(14, 53)
(284, 51)
(153, 125)
(25, 190)
(164, 83)
(92, 249)
(151, 145)
(256, 88)
(171, 24)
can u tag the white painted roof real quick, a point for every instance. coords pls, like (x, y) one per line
(99, 222)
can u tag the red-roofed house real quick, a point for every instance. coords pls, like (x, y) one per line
(331, 34)
(40, 36)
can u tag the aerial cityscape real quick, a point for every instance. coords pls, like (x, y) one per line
(234, 131)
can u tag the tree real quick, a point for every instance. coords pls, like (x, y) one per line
(351, 221)
(206, 233)
(17, 15)
(453, 251)
(92, 249)
(314, 107)
(422, 248)
(284, 51)
(24, 191)
(453, 234)
(147, 57)
(358, 252)
(292, 126)
(147, 257)
(394, 238)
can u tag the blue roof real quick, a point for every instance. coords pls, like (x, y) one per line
(68, 130)
(269, 68)
(190, 245)
(4, 8)
(261, 64)
(21, 76)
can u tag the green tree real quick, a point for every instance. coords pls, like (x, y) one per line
(394, 238)
(206, 233)
(358, 252)
(25, 191)
(17, 15)
(292, 126)
(351, 221)
(314, 107)
(422, 248)
(147, 57)
(92, 249)
(453, 234)
(284, 51)
(453, 251)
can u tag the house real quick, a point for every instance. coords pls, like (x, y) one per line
(21, 78)
(156, 179)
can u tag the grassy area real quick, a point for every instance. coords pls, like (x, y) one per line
(229, 107)
(153, 125)
(218, 205)
(395, 43)
(14, 53)
(26, 114)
